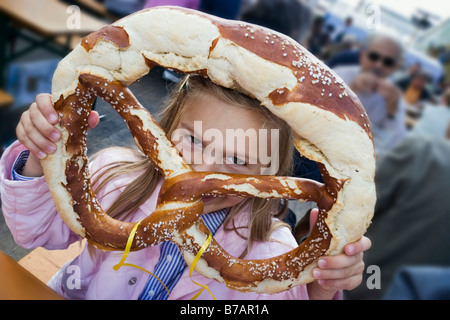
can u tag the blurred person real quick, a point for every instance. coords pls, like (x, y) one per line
(346, 52)
(290, 17)
(415, 88)
(412, 215)
(435, 120)
(344, 30)
(415, 94)
(319, 38)
(380, 58)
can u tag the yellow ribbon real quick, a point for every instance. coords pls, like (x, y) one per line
(197, 257)
(125, 255)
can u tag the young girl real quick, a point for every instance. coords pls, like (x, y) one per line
(127, 186)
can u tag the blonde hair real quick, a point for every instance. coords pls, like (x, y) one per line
(137, 192)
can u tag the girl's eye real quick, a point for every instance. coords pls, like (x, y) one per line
(195, 141)
(235, 160)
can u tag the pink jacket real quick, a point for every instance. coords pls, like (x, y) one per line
(33, 220)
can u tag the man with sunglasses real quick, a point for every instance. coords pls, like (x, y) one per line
(370, 80)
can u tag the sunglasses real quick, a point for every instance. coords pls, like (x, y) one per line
(387, 61)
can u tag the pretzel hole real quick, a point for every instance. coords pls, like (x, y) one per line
(112, 131)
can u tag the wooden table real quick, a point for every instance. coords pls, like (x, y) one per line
(48, 19)
(17, 283)
(43, 263)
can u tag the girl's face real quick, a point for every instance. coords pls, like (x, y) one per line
(215, 136)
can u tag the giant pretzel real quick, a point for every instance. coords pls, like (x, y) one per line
(330, 125)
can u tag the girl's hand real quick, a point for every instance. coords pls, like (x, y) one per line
(37, 132)
(340, 272)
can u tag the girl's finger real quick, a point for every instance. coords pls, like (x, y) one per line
(353, 254)
(41, 123)
(342, 284)
(313, 214)
(31, 137)
(340, 273)
(340, 261)
(93, 119)
(23, 138)
(359, 246)
(45, 105)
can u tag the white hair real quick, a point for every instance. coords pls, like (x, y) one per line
(385, 36)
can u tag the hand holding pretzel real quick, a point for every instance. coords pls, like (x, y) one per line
(330, 124)
(339, 272)
(37, 133)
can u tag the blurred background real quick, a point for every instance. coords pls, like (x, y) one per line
(395, 55)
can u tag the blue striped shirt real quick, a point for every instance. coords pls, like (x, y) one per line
(171, 264)
(18, 165)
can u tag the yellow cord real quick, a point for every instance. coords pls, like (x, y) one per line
(194, 263)
(197, 257)
(125, 255)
